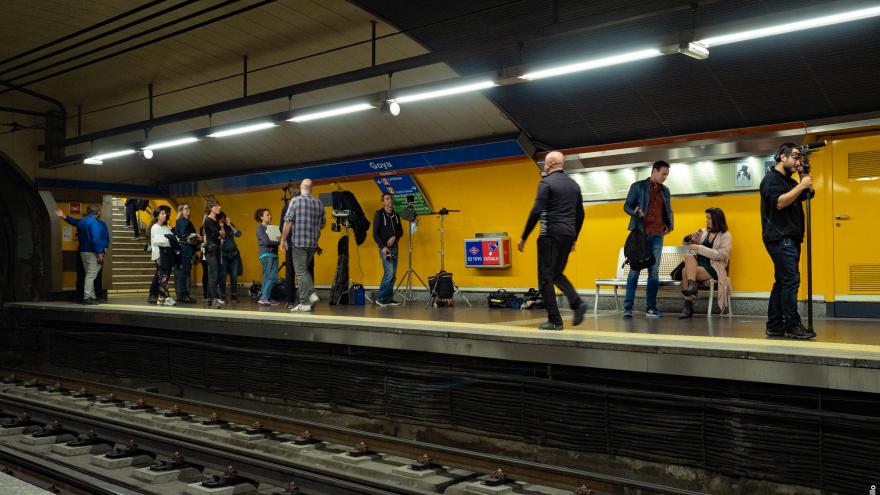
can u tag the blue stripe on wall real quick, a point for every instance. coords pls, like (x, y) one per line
(427, 159)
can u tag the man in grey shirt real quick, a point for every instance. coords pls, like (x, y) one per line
(305, 216)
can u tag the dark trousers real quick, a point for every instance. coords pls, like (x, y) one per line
(81, 281)
(228, 268)
(212, 262)
(132, 219)
(782, 311)
(553, 254)
(181, 277)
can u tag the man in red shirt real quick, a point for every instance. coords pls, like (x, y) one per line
(649, 204)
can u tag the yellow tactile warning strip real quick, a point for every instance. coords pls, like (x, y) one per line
(476, 330)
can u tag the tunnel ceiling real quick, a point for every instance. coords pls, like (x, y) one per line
(819, 73)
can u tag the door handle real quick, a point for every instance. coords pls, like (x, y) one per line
(841, 217)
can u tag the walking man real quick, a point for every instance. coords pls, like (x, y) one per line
(305, 217)
(649, 201)
(559, 207)
(782, 229)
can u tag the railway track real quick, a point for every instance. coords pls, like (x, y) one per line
(268, 451)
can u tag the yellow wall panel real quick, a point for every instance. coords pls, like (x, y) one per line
(497, 198)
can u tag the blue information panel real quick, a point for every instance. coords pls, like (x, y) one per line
(402, 186)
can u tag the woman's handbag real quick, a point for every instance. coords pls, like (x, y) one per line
(676, 272)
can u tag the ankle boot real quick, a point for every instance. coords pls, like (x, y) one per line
(687, 311)
(691, 289)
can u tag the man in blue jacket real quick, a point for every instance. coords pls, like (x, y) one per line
(92, 244)
(649, 203)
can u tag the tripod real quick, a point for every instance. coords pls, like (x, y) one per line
(410, 271)
(455, 289)
(809, 221)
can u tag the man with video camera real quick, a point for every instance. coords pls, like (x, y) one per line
(782, 225)
(387, 231)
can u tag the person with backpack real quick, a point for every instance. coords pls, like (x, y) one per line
(560, 208)
(649, 206)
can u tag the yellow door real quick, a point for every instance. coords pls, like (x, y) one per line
(856, 206)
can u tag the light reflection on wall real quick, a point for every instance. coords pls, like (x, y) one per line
(698, 177)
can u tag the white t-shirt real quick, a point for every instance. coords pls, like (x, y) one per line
(158, 239)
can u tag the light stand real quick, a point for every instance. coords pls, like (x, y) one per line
(456, 290)
(410, 271)
(809, 221)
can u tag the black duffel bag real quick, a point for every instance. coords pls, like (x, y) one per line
(501, 299)
(441, 285)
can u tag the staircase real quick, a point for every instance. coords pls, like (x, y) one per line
(131, 270)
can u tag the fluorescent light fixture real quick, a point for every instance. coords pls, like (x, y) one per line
(694, 50)
(147, 154)
(827, 20)
(466, 88)
(243, 130)
(593, 64)
(169, 144)
(323, 114)
(115, 154)
(92, 161)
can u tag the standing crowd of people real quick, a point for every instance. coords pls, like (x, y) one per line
(558, 207)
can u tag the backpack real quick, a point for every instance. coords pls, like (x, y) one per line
(441, 285)
(533, 300)
(638, 255)
(500, 299)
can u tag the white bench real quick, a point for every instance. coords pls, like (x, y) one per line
(669, 259)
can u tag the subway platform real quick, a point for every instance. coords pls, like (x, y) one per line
(844, 356)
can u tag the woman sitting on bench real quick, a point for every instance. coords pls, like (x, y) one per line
(708, 257)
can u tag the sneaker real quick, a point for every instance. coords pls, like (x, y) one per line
(160, 301)
(579, 314)
(290, 307)
(550, 326)
(799, 331)
(218, 304)
(263, 302)
(775, 331)
(313, 299)
(90, 301)
(653, 313)
(382, 304)
(393, 303)
(273, 302)
(152, 299)
(169, 301)
(301, 308)
(627, 313)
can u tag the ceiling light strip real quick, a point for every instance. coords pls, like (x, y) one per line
(171, 143)
(306, 117)
(790, 27)
(243, 129)
(593, 64)
(466, 88)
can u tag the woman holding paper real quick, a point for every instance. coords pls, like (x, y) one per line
(268, 239)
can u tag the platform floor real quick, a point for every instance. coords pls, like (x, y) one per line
(837, 330)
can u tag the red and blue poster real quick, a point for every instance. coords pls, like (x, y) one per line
(487, 253)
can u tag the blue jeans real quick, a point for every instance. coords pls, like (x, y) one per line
(655, 242)
(270, 275)
(782, 310)
(389, 273)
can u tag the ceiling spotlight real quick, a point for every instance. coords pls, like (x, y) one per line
(146, 154)
(391, 107)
